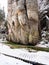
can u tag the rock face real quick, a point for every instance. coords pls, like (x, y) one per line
(23, 21)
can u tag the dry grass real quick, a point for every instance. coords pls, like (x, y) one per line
(16, 45)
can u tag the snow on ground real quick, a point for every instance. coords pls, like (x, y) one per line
(43, 44)
(34, 56)
(3, 40)
(4, 60)
(45, 40)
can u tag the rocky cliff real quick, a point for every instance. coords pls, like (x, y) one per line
(23, 21)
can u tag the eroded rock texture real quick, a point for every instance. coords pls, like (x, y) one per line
(23, 21)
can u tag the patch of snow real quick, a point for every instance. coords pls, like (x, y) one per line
(48, 33)
(42, 42)
(43, 57)
(41, 45)
(3, 40)
(4, 60)
(38, 56)
(47, 45)
(47, 17)
(43, 35)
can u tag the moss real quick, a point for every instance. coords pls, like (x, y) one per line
(16, 45)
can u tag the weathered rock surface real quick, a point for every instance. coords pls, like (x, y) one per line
(23, 21)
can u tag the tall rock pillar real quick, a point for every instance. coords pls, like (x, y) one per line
(23, 21)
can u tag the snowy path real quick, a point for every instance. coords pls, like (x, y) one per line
(40, 57)
(6, 60)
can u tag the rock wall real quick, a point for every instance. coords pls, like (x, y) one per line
(23, 21)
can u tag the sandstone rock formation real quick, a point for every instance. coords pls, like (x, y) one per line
(23, 21)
